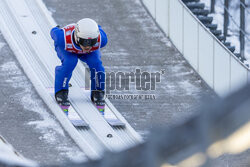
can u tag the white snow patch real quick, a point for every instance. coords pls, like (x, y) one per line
(51, 11)
(71, 153)
(9, 156)
(122, 52)
(189, 88)
(235, 42)
(178, 70)
(10, 68)
(143, 133)
(47, 126)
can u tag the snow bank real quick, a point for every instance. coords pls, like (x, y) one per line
(9, 156)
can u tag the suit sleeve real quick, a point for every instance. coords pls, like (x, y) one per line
(104, 37)
(57, 35)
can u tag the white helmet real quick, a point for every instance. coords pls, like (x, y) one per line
(86, 32)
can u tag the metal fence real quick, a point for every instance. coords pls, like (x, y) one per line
(244, 11)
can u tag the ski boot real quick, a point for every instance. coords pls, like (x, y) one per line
(98, 98)
(62, 99)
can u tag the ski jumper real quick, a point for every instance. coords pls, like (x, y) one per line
(69, 53)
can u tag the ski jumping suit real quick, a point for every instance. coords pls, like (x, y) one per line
(69, 53)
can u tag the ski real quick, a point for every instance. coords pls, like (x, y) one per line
(116, 123)
(98, 99)
(108, 115)
(74, 119)
(70, 113)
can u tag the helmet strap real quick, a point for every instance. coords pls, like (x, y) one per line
(76, 39)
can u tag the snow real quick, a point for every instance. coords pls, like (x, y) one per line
(8, 156)
(149, 25)
(144, 133)
(233, 29)
(46, 126)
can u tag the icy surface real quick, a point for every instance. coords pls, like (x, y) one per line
(50, 130)
(35, 132)
(8, 156)
(47, 125)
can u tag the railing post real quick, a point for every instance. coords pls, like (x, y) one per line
(226, 18)
(242, 29)
(212, 6)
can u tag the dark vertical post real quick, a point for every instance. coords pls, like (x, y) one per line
(242, 29)
(226, 17)
(212, 6)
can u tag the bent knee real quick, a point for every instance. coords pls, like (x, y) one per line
(97, 66)
(69, 64)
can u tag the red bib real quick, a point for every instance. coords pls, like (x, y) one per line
(69, 44)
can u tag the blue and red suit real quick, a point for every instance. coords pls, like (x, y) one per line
(69, 53)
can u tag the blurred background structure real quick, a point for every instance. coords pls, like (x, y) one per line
(222, 127)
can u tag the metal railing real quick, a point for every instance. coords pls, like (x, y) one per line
(242, 31)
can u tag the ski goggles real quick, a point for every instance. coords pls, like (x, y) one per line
(87, 42)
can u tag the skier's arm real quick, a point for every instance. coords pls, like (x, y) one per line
(57, 35)
(104, 37)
